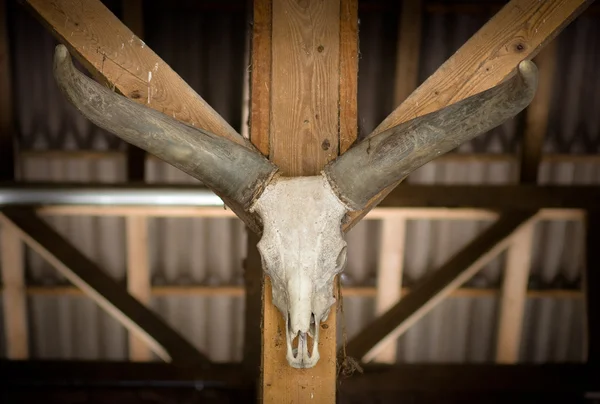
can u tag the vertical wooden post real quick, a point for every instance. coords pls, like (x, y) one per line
(14, 296)
(7, 144)
(592, 286)
(138, 278)
(138, 266)
(513, 297)
(133, 17)
(409, 44)
(389, 277)
(304, 67)
(12, 262)
(393, 233)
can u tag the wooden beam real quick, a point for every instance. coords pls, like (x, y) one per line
(517, 32)
(138, 278)
(506, 158)
(303, 113)
(496, 197)
(105, 291)
(389, 276)
(409, 44)
(592, 286)
(414, 213)
(432, 290)
(514, 296)
(14, 296)
(133, 17)
(495, 380)
(536, 116)
(519, 254)
(7, 133)
(393, 229)
(348, 291)
(114, 55)
(253, 292)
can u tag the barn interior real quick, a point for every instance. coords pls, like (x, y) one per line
(124, 279)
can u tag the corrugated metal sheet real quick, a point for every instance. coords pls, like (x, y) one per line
(207, 50)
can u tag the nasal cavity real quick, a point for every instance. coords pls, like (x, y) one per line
(308, 337)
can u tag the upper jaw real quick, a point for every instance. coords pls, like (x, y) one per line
(301, 357)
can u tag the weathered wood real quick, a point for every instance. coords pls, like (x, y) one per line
(114, 55)
(389, 276)
(7, 138)
(305, 85)
(517, 32)
(348, 77)
(105, 291)
(592, 286)
(14, 298)
(409, 44)
(304, 62)
(446, 158)
(138, 278)
(514, 296)
(349, 291)
(133, 17)
(432, 290)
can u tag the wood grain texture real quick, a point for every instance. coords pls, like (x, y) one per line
(514, 296)
(348, 291)
(133, 18)
(7, 139)
(260, 79)
(348, 74)
(536, 115)
(104, 290)
(305, 85)
(432, 290)
(14, 299)
(115, 56)
(389, 276)
(517, 32)
(313, 49)
(409, 47)
(138, 278)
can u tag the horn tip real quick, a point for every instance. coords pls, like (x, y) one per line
(527, 68)
(61, 51)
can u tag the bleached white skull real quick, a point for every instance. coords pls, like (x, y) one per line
(302, 249)
(302, 246)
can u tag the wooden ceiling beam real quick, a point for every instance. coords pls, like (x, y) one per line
(117, 57)
(103, 289)
(432, 290)
(517, 32)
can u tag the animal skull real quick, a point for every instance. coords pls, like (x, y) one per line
(302, 244)
(302, 249)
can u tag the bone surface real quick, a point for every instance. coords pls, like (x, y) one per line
(302, 248)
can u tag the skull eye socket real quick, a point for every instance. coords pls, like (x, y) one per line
(341, 259)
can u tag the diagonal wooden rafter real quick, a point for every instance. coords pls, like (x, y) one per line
(105, 291)
(517, 32)
(114, 55)
(432, 290)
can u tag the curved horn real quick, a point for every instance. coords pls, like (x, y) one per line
(229, 169)
(378, 162)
